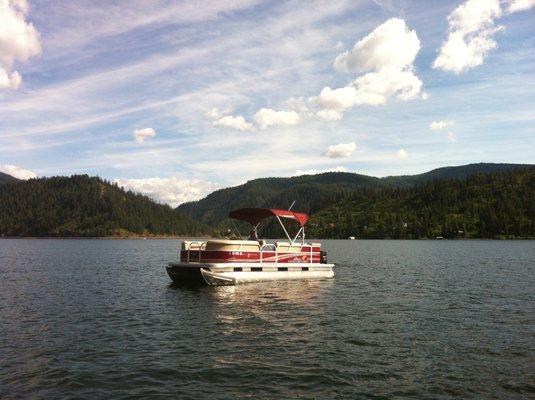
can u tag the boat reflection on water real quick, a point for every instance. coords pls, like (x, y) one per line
(304, 293)
(254, 319)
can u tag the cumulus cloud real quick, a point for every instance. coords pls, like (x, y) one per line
(520, 5)
(266, 117)
(329, 115)
(336, 99)
(17, 172)
(386, 57)
(471, 27)
(391, 44)
(172, 191)
(19, 41)
(340, 150)
(440, 125)
(452, 137)
(402, 153)
(141, 134)
(233, 122)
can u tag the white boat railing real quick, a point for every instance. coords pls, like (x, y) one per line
(199, 247)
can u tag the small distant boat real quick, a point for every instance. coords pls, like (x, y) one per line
(351, 237)
(230, 262)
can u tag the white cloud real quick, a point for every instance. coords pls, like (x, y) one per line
(313, 171)
(471, 26)
(19, 41)
(17, 172)
(266, 117)
(233, 122)
(329, 115)
(402, 153)
(340, 150)
(440, 125)
(336, 99)
(387, 56)
(375, 88)
(141, 134)
(520, 5)
(172, 191)
(391, 44)
(213, 113)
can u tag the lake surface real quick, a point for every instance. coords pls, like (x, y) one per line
(100, 319)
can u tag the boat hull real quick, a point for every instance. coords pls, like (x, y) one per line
(217, 274)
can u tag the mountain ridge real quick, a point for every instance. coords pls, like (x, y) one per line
(313, 192)
(481, 200)
(6, 178)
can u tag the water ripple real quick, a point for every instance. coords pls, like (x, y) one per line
(99, 319)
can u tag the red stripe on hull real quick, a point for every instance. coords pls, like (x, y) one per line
(251, 256)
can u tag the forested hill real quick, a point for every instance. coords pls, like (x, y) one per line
(86, 206)
(473, 201)
(499, 205)
(311, 192)
(5, 178)
(314, 193)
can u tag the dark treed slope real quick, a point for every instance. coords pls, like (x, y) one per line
(500, 205)
(459, 172)
(5, 178)
(85, 206)
(313, 193)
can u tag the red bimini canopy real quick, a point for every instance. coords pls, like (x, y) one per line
(255, 215)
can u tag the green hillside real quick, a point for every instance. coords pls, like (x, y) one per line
(499, 205)
(472, 201)
(86, 206)
(313, 193)
(458, 172)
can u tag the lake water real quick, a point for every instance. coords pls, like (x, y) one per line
(100, 319)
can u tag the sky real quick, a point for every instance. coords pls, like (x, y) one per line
(175, 99)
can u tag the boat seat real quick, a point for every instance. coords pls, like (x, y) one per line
(286, 246)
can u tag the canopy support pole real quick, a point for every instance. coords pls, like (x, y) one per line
(297, 235)
(285, 231)
(235, 227)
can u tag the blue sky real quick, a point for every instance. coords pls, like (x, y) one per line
(176, 98)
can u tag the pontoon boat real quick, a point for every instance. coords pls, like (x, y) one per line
(228, 262)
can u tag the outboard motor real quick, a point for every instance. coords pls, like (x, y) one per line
(323, 257)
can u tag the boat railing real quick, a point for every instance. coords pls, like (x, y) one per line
(198, 247)
(268, 247)
(194, 252)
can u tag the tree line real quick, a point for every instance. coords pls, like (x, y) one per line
(496, 205)
(83, 206)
